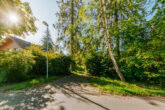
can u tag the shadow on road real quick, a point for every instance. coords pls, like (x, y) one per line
(73, 87)
(26, 100)
(153, 100)
(37, 98)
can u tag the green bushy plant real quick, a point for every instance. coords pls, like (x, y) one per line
(16, 66)
(97, 64)
(61, 65)
(29, 63)
(40, 57)
(142, 65)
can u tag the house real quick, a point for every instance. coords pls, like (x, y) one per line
(13, 43)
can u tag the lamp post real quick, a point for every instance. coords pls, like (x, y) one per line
(47, 59)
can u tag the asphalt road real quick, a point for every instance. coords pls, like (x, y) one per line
(67, 94)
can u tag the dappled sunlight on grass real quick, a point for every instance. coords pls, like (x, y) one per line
(122, 88)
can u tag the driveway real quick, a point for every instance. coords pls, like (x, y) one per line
(74, 93)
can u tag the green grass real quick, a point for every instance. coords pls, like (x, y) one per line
(31, 83)
(123, 88)
(79, 70)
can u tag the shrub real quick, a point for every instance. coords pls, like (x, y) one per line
(16, 66)
(40, 57)
(132, 69)
(58, 64)
(29, 63)
(97, 64)
(61, 65)
(143, 65)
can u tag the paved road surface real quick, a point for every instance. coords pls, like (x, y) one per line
(72, 93)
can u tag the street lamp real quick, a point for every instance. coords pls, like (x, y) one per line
(47, 66)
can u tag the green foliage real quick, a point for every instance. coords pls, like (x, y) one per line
(40, 57)
(99, 65)
(26, 19)
(61, 65)
(117, 87)
(68, 30)
(143, 64)
(30, 63)
(143, 53)
(16, 66)
(139, 38)
(58, 64)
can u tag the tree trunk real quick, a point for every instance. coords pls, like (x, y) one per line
(117, 37)
(105, 22)
(118, 47)
(72, 23)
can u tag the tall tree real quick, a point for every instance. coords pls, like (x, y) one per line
(72, 12)
(106, 36)
(120, 10)
(23, 11)
(47, 39)
(67, 28)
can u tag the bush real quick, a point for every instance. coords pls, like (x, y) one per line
(61, 65)
(97, 64)
(40, 57)
(58, 64)
(16, 66)
(143, 65)
(132, 69)
(30, 63)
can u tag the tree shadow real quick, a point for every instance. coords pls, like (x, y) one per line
(152, 100)
(75, 86)
(77, 80)
(38, 98)
(81, 97)
(26, 100)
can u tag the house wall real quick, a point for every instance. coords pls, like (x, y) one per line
(10, 44)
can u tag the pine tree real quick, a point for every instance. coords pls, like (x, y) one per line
(47, 38)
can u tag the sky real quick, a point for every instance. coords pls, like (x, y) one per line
(43, 10)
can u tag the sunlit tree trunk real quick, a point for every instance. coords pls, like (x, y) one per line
(105, 22)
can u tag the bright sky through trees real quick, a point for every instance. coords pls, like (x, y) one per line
(43, 10)
(13, 18)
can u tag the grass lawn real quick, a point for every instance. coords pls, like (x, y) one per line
(31, 83)
(112, 86)
(123, 88)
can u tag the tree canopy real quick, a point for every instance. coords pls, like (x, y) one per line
(132, 39)
(16, 10)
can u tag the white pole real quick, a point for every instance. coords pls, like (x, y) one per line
(47, 66)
